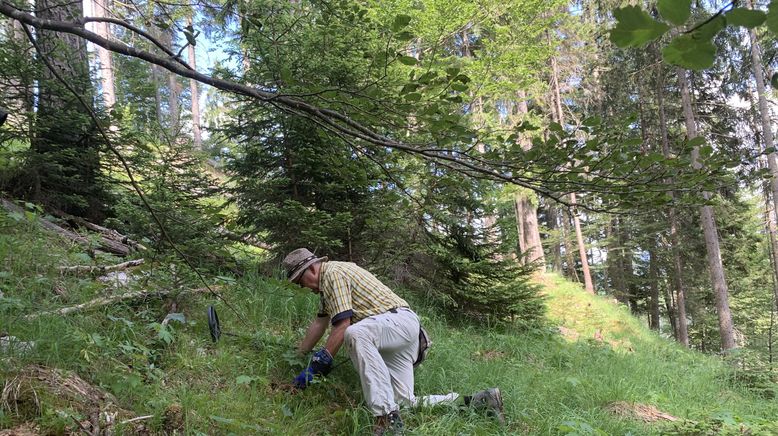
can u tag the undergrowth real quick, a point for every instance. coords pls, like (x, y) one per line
(173, 373)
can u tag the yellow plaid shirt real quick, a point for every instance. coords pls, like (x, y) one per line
(348, 291)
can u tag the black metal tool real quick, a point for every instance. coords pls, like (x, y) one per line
(215, 327)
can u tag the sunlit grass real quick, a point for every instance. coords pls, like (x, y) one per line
(551, 383)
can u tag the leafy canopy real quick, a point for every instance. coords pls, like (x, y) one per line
(692, 45)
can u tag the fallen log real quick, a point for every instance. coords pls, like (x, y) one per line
(104, 231)
(104, 301)
(104, 244)
(94, 269)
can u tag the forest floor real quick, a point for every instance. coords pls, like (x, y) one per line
(148, 366)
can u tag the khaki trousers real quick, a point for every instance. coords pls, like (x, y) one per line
(383, 349)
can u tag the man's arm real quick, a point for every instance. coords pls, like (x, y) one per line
(335, 340)
(315, 332)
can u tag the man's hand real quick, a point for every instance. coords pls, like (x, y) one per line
(321, 364)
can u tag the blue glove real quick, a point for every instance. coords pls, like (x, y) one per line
(321, 364)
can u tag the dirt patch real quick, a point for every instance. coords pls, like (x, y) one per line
(637, 411)
(569, 334)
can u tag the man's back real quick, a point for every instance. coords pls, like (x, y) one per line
(347, 287)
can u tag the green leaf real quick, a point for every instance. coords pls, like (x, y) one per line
(407, 60)
(689, 52)
(745, 17)
(400, 22)
(461, 87)
(696, 141)
(462, 78)
(635, 27)
(404, 36)
(710, 29)
(675, 11)
(772, 17)
(413, 96)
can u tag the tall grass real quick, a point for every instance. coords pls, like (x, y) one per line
(552, 383)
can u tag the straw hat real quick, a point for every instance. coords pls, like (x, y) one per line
(296, 262)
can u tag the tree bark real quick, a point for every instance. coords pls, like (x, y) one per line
(588, 284)
(653, 298)
(715, 266)
(767, 130)
(196, 134)
(679, 322)
(552, 216)
(174, 91)
(560, 118)
(104, 56)
(572, 271)
(526, 211)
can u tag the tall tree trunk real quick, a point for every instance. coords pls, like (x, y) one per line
(156, 78)
(615, 264)
(66, 162)
(104, 56)
(572, 271)
(17, 95)
(653, 278)
(560, 118)
(767, 128)
(715, 266)
(588, 284)
(174, 88)
(526, 211)
(197, 136)
(552, 216)
(671, 311)
(679, 322)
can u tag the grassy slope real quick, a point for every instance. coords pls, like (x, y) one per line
(552, 384)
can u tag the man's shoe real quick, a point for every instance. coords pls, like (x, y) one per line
(489, 400)
(390, 424)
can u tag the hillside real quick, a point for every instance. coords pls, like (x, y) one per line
(603, 374)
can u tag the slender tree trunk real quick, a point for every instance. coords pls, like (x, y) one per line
(771, 228)
(615, 267)
(560, 118)
(174, 88)
(552, 214)
(197, 136)
(588, 284)
(653, 278)
(572, 271)
(715, 266)
(522, 243)
(767, 129)
(671, 311)
(679, 322)
(104, 56)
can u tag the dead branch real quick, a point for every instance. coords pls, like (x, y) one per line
(337, 122)
(105, 301)
(104, 231)
(95, 269)
(105, 244)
